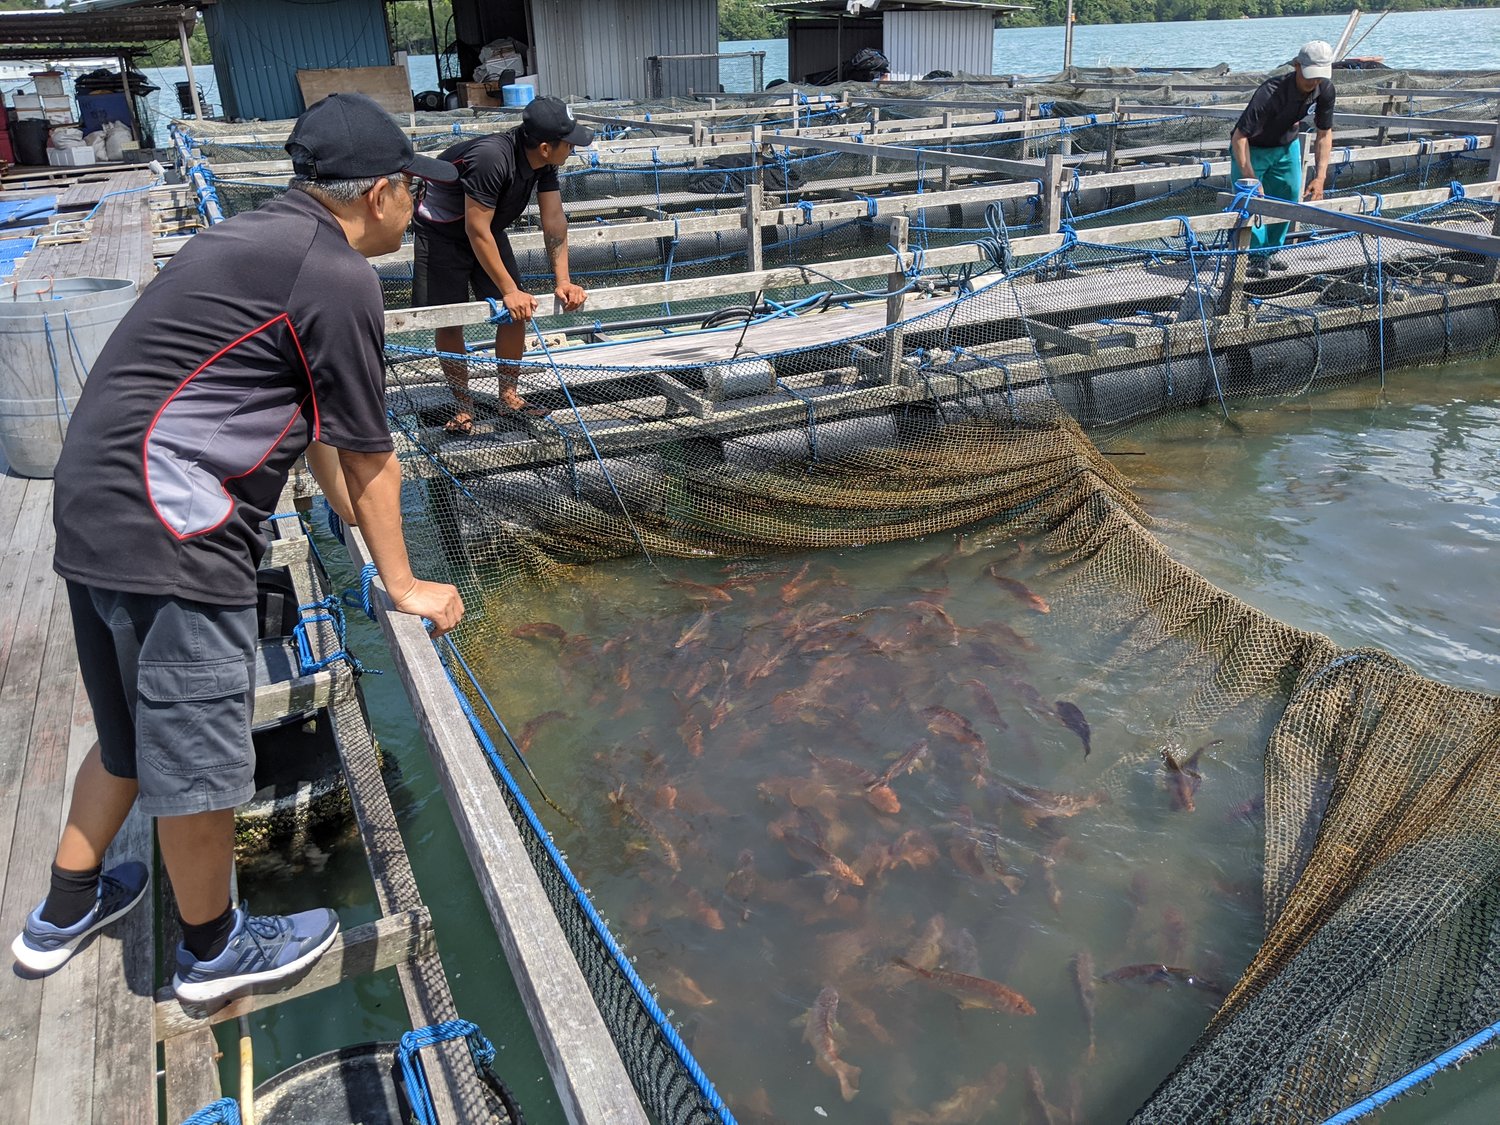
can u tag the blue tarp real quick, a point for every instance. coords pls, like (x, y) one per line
(12, 250)
(27, 210)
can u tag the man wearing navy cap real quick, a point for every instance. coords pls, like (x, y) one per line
(1267, 141)
(461, 247)
(261, 340)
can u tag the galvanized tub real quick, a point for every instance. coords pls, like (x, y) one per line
(51, 331)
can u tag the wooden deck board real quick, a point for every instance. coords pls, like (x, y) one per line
(63, 1090)
(78, 1045)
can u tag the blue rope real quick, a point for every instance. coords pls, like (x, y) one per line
(330, 609)
(62, 401)
(414, 1075)
(225, 1111)
(1448, 1058)
(1194, 247)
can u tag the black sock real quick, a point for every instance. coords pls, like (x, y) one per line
(207, 941)
(71, 896)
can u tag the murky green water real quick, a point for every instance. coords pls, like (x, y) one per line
(689, 726)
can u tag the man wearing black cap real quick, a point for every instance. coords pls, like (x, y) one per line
(461, 245)
(264, 334)
(1266, 142)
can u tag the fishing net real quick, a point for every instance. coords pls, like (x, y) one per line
(1380, 857)
(952, 385)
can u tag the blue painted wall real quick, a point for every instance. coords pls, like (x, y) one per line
(259, 45)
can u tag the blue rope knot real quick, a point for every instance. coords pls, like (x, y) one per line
(458, 130)
(499, 314)
(871, 209)
(225, 1111)
(414, 1077)
(1208, 168)
(999, 117)
(1455, 190)
(1471, 142)
(807, 210)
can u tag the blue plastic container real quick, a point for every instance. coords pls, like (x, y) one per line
(518, 93)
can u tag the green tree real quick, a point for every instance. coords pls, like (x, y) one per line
(411, 26)
(749, 19)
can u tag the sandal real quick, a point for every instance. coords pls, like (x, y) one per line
(461, 423)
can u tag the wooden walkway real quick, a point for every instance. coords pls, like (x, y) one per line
(79, 1045)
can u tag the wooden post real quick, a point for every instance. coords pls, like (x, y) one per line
(1114, 133)
(1052, 180)
(754, 255)
(1232, 299)
(947, 131)
(1387, 109)
(697, 132)
(1068, 39)
(874, 128)
(895, 304)
(1493, 172)
(135, 124)
(187, 62)
(1025, 126)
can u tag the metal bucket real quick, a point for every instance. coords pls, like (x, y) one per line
(351, 1084)
(50, 334)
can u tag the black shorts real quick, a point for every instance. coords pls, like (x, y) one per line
(445, 270)
(172, 686)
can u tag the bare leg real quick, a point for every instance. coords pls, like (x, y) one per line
(456, 372)
(199, 853)
(101, 802)
(510, 342)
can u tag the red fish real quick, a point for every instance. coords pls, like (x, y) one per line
(1019, 590)
(972, 992)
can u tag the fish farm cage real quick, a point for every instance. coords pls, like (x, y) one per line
(836, 318)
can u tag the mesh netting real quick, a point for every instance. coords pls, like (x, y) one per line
(955, 390)
(1380, 857)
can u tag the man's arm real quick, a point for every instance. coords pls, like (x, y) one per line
(373, 481)
(1239, 148)
(478, 225)
(1322, 154)
(555, 238)
(323, 460)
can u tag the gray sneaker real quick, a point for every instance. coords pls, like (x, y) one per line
(262, 949)
(43, 948)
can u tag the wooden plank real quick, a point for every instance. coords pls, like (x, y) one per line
(390, 86)
(1429, 234)
(63, 1090)
(192, 1073)
(1024, 169)
(33, 758)
(586, 1070)
(125, 1076)
(365, 949)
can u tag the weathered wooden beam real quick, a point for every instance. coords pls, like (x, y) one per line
(1021, 168)
(1430, 235)
(365, 949)
(192, 1072)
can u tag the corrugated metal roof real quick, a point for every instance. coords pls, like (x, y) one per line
(141, 25)
(259, 45)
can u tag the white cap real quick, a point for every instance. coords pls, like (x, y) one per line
(1316, 59)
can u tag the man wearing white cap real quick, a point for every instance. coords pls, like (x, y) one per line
(1267, 140)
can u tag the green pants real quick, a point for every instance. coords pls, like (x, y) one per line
(1279, 171)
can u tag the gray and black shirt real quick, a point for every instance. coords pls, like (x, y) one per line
(261, 334)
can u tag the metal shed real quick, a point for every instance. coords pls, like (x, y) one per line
(916, 36)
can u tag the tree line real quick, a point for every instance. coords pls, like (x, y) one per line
(748, 19)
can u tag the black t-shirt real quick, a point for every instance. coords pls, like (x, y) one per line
(1274, 115)
(494, 172)
(261, 334)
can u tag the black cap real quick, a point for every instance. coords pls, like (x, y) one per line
(548, 119)
(349, 137)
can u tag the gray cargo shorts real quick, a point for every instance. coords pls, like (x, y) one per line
(172, 685)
